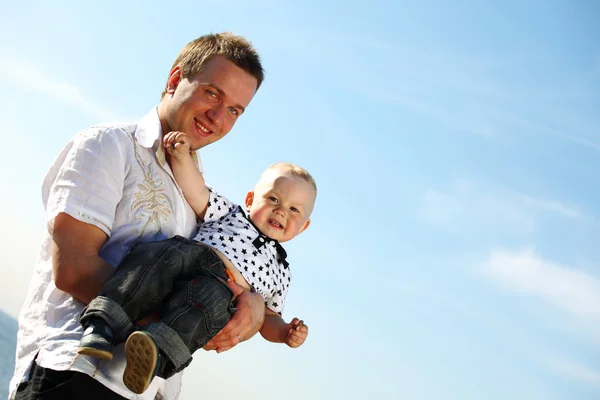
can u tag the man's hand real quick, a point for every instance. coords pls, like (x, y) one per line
(244, 323)
(177, 144)
(297, 333)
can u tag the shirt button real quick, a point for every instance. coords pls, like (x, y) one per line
(262, 239)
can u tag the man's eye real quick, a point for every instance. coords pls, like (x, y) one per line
(211, 93)
(233, 111)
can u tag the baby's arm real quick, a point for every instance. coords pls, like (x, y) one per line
(276, 330)
(186, 173)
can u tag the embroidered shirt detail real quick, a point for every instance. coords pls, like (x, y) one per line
(151, 204)
(96, 220)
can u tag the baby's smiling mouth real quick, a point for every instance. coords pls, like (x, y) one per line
(275, 224)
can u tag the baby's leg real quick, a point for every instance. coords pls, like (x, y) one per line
(196, 311)
(207, 309)
(194, 315)
(143, 279)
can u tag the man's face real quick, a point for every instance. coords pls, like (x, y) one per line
(206, 105)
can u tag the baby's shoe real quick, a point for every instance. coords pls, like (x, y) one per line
(97, 339)
(144, 361)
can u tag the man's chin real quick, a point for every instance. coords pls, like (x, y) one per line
(198, 144)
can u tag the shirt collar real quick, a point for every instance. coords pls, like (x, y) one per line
(149, 134)
(263, 239)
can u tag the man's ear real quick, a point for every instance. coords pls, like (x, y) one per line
(249, 200)
(174, 79)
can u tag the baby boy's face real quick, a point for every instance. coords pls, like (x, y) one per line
(280, 205)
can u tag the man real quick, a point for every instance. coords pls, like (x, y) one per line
(109, 188)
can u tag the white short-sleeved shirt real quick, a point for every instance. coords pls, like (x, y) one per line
(114, 177)
(260, 259)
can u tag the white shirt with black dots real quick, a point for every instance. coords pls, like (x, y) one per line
(260, 259)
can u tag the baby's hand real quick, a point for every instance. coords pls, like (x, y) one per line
(297, 333)
(177, 144)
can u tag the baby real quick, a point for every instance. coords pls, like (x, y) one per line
(186, 280)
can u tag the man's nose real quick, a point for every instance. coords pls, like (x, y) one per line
(216, 114)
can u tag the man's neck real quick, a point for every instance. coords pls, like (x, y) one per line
(164, 129)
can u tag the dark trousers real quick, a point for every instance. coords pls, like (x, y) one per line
(48, 384)
(184, 280)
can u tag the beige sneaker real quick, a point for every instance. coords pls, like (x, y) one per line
(142, 356)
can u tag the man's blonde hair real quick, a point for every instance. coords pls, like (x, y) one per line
(291, 170)
(194, 56)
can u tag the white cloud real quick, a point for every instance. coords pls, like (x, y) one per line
(579, 136)
(26, 75)
(467, 206)
(462, 92)
(574, 370)
(573, 291)
(555, 206)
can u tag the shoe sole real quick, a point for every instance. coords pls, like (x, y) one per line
(141, 354)
(90, 351)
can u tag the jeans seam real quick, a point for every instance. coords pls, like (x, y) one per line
(159, 257)
(205, 317)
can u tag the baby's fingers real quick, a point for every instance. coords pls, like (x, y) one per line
(301, 327)
(168, 139)
(181, 138)
(296, 338)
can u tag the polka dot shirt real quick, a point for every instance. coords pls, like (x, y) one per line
(260, 259)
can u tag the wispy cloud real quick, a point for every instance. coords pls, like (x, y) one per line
(467, 206)
(461, 91)
(583, 136)
(35, 79)
(574, 370)
(461, 211)
(554, 206)
(524, 271)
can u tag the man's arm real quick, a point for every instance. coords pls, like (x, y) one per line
(77, 266)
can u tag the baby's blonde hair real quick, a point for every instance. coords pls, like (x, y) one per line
(291, 170)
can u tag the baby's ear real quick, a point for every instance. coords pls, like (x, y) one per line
(305, 226)
(249, 200)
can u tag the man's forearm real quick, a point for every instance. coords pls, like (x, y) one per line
(81, 277)
(92, 282)
(76, 264)
(244, 323)
(258, 313)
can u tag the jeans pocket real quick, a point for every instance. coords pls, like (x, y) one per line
(213, 297)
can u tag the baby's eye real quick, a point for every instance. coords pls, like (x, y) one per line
(294, 209)
(273, 199)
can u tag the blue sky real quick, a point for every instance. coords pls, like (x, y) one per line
(453, 252)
